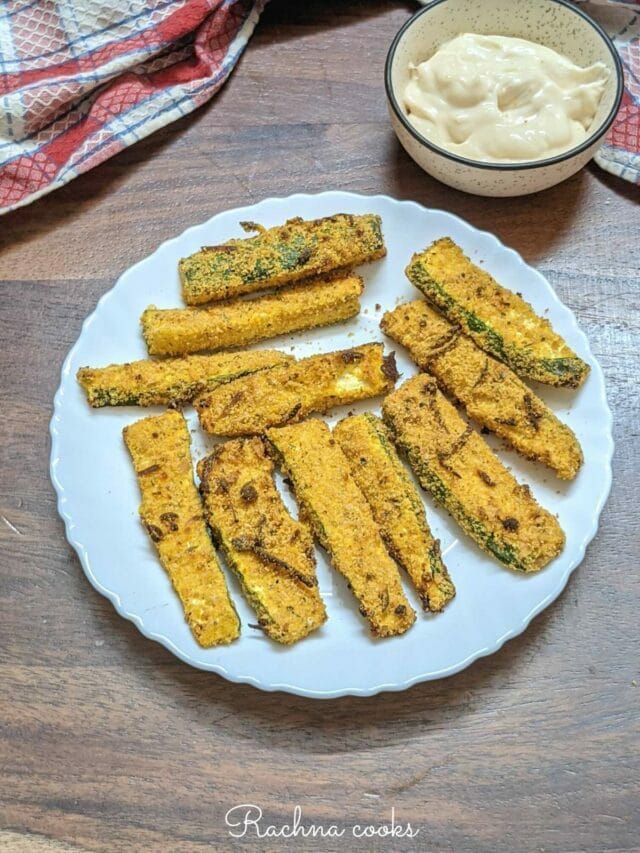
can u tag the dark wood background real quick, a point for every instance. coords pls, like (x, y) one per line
(107, 742)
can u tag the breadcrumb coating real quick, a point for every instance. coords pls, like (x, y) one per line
(498, 320)
(240, 322)
(170, 382)
(288, 393)
(172, 514)
(342, 522)
(270, 552)
(490, 391)
(464, 475)
(396, 506)
(276, 256)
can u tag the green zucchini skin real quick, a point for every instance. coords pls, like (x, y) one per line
(463, 475)
(490, 392)
(396, 506)
(566, 369)
(276, 256)
(270, 552)
(170, 381)
(431, 483)
(438, 568)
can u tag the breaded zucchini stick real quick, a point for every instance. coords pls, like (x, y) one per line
(276, 256)
(172, 381)
(288, 393)
(342, 521)
(239, 322)
(172, 515)
(270, 552)
(396, 506)
(462, 473)
(490, 391)
(498, 320)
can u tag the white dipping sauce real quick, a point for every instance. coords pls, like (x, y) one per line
(503, 99)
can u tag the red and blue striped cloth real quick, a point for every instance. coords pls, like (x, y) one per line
(620, 153)
(81, 81)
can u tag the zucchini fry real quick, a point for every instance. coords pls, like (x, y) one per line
(239, 322)
(498, 320)
(170, 382)
(288, 393)
(463, 475)
(291, 252)
(490, 391)
(270, 552)
(396, 506)
(342, 522)
(172, 515)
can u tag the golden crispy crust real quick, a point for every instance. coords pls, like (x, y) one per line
(240, 322)
(497, 319)
(172, 515)
(170, 382)
(342, 522)
(270, 552)
(490, 391)
(396, 506)
(289, 393)
(290, 252)
(463, 474)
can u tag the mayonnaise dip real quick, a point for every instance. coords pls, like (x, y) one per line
(497, 98)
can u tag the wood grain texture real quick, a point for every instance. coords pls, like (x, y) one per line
(107, 742)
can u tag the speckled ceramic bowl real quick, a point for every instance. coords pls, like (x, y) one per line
(555, 23)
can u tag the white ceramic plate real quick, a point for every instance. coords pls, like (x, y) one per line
(98, 495)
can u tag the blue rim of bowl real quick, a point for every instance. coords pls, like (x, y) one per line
(506, 167)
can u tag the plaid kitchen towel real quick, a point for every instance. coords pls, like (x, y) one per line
(82, 79)
(620, 153)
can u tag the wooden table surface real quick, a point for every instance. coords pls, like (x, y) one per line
(108, 742)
